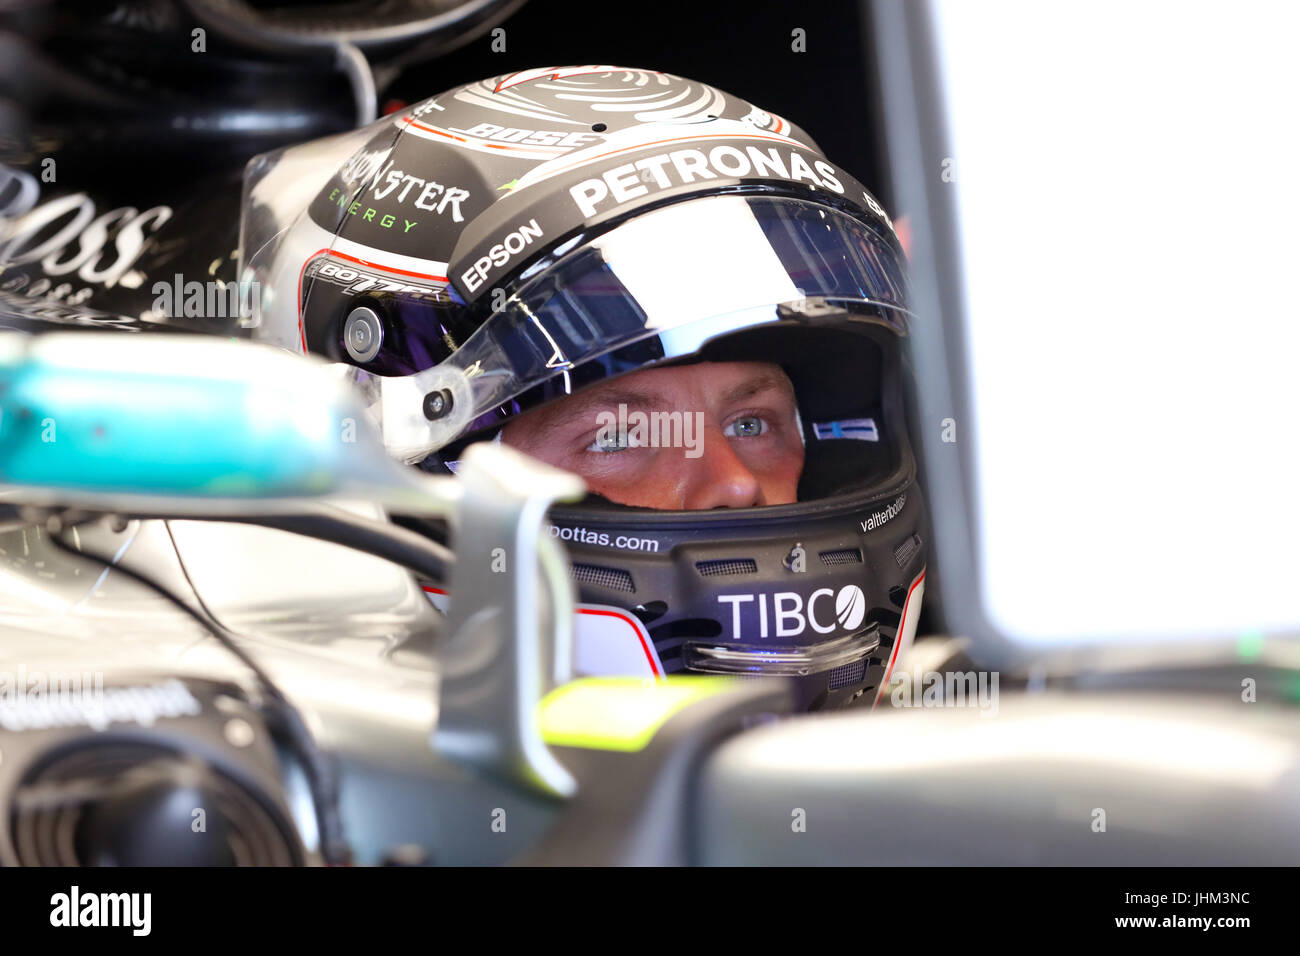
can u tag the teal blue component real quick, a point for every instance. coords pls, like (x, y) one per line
(163, 432)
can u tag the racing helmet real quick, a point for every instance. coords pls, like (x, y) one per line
(515, 240)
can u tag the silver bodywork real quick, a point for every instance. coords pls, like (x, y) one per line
(348, 637)
(1132, 778)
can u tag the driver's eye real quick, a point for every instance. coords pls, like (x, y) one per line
(609, 442)
(748, 426)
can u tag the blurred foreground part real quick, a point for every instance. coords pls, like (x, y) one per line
(1114, 779)
(136, 530)
(1111, 391)
(105, 438)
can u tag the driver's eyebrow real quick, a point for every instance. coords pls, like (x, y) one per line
(758, 383)
(582, 410)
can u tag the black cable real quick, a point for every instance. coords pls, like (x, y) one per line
(400, 545)
(402, 24)
(436, 530)
(395, 542)
(353, 64)
(321, 778)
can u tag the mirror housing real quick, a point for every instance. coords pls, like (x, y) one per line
(186, 424)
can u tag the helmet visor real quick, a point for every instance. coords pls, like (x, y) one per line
(666, 282)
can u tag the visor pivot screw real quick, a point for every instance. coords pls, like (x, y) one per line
(363, 334)
(437, 404)
(797, 559)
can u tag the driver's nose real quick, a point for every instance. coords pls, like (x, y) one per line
(719, 479)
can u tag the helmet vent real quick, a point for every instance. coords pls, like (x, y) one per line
(847, 674)
(727, 566)
(842, 556)
(615, 579)
(904, 552)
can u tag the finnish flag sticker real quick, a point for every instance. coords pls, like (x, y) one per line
(863, 429)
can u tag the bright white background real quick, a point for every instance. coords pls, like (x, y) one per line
(1129, 189)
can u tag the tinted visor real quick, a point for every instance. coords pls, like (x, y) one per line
(656, 288)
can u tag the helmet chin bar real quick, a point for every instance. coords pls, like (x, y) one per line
(774, 661)
(718, 594)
